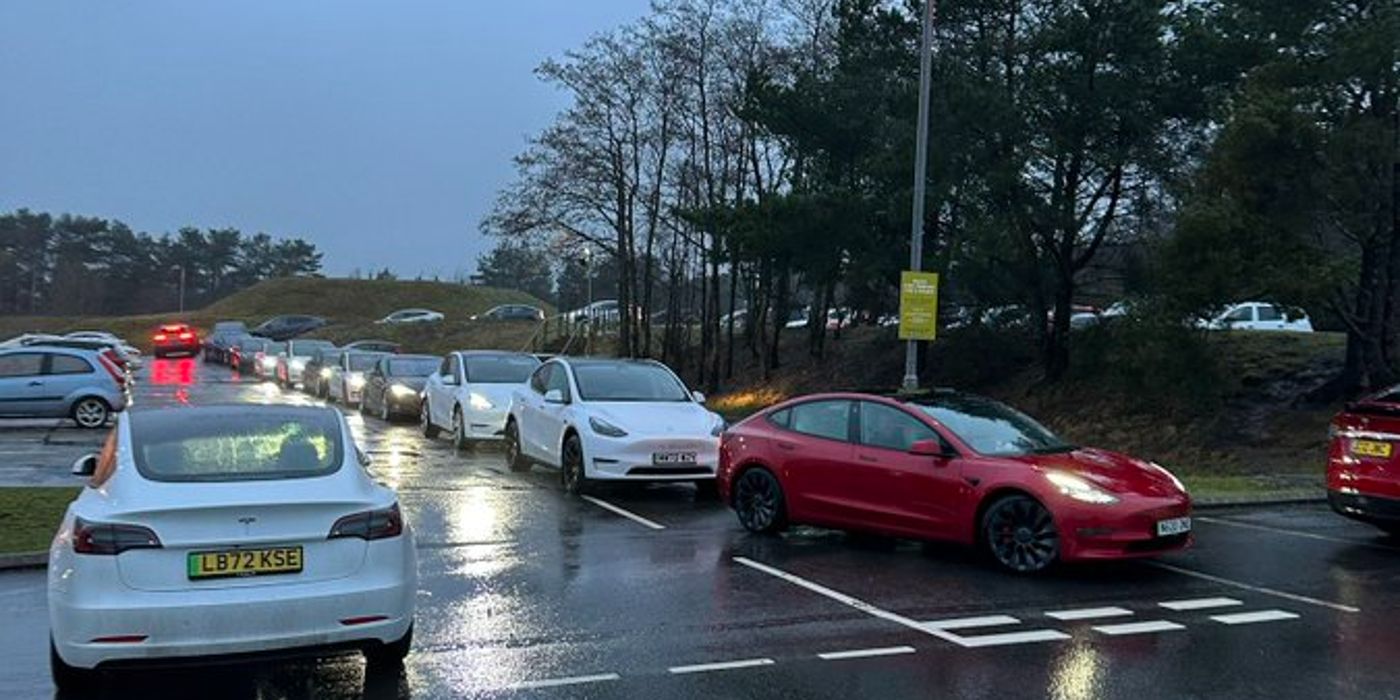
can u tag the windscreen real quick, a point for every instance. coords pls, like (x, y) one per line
(304, 349)
(362, 362)
(500, 369)
(627, 381)
(236, 444)
(992, 428)
(274, 348)
(413, 366)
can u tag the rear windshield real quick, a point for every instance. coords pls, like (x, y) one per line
(236, 444)
(362, 362)
(500, 369)
(627, 381)
(414, 366)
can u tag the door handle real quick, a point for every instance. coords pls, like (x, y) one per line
(36, 382)
(786, 445)
(867, 458)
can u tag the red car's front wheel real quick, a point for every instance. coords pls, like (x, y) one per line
(759, 502)
(1020, 534)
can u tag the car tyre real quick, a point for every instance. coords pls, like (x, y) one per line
(515, 457)
(91, 413)
(389, 657)
(573, 475)
(425, 421)
(386, 414)
(460, 440)
(1020, 535)
(67, 678)
(759, 502)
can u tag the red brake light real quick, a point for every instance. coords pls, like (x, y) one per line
(112, 368)
(159, 338)
(370, 525)
(111, 538)
(186, 335)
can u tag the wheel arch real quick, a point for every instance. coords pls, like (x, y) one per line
(747, 465)
(992, 496)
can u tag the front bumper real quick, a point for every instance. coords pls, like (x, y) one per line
(632, 459)
(1376, 510)
(1125, 530)
(486, 425)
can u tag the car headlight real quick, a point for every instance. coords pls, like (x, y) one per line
(1079, 489)
(357, 381)
(605, 428)
(1175, 481)
(325, 372)
(269, 362)
(480, 403)
(719, 427)
(402, 392)
(297, 364)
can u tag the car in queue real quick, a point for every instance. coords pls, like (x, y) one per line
(247, 355)
(1363, 466)
(394, 385)
(347, 376)
(216, 533)
(221, 336)
(511, 312)
(317, 370)
(948, 466)
(130, 352)
(266, 359)
(612, 420)
(292, 360)
(470, 394)
(175, 339)
(1259, 316)
(288, 326)
(50, 382)
(411, 316)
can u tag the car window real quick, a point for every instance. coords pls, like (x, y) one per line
(446, 369)
(559, 380)
(361, 362)
(1243, 313)
(412, 366)
(67, 364)
(21, 364)
(627, 381)
(825, 419)
(781, 418)
(1270, 313)
(890, 428)
(237, 444)
(540, 379)
(499, 369)
(992, 428)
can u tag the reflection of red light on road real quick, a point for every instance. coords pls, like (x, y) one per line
(182, 395)
(179, 372)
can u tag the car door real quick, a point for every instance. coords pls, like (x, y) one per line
(901, 492)
(24, 391)
(1270, 317)
(816, 457)
(373, 391)
(528, 403)
(553, 417)
(439, 391)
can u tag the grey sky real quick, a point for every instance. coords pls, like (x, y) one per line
(380, 130)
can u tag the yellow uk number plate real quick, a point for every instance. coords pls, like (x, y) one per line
(1370, 448)
(244, 562)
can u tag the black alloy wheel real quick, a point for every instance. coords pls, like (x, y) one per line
(425, 421)
(759, 501)
(515, 458)
(1020, 535)
(575, 481)
(459, 431)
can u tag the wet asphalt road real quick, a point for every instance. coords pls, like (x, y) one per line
(525, 592)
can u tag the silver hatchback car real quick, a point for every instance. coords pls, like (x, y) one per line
(52, 382)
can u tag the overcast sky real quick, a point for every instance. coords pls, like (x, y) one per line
(380, 130)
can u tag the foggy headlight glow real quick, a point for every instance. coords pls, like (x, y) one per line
(402, 391)
(480, 403)
(357, 381)
(1079, 489)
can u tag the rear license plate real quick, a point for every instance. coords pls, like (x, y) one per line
(673, 458)
(1371, 448)
(244, 562)
(1173, 526)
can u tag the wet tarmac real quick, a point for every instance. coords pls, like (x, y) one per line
(654, 592)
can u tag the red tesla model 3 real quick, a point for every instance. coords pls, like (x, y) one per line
(1363, 469)
(948, 466)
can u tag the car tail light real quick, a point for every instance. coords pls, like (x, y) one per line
(186, 336)
(111, 538)
(159, 338)
(370, 525)
(118, 375)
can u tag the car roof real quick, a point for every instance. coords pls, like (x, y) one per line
(58, 349)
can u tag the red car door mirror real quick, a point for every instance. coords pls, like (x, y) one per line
(928, 448)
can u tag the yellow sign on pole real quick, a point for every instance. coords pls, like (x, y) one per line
(918, 305)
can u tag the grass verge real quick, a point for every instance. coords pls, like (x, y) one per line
(29, 515)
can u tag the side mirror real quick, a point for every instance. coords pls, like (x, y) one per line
(554, 396)
(86, 465)
(928, 448)
(699, 397)
(450, 380)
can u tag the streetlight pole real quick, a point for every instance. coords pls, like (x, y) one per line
(916, 228)
(181, 268)
(588, 275)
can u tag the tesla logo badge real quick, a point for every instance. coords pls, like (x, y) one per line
(247, 521)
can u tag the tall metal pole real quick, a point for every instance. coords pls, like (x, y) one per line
(916, 227)
(588, 275)
(182, 288)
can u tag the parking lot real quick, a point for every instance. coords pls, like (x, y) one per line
(651, 592)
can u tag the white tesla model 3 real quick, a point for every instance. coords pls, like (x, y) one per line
(614, 420)
(228, 532)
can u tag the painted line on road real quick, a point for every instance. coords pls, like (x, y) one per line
(1088, 613)
(1200, 603)
(624, 513)
(557, 682)
(865, 653)
(1252, 617)
(1340, 607)
(721, 666)
(967, 623)
(1149, 627)
(1292, 533)
(997, 640)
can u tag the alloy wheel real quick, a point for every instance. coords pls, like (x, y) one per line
(90, 413)
(1021, 534)
(758, 500)
(572, 459)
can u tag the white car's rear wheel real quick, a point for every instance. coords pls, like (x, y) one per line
(389, 657)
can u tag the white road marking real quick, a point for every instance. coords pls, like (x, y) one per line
(1088, 613)
(967, 623)
(1259, 616)
(1138, 628)
(721, 666)
(1293, 533)
(624, 513)
(996, 640)
(1340, 607)
(1200, 603)
(864, 653)
(556, 682)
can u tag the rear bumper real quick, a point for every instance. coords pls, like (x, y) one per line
(176, 349)
(1376, 510)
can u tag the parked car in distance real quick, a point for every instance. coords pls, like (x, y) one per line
(218, 343)
(1260, 316)
(150, 564)
(28, 339)
(174, 339)
(266, 360)
(374, 346)
(51, 382)
(603, 310)
(1363, 464)
(317, 370)
(948, 466)
(244, 351)
(410, 316)
(470, 394)
(129, 352)
(288, 327)
(291, 362)
(511, 312)
(112, 350)
(614, 420)
(347, 375)
(394, 385)
(228, 327)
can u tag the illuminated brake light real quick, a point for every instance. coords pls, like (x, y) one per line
(159, 338)
(111, 538)
(110, 364)
(370, 525)
(186, 335)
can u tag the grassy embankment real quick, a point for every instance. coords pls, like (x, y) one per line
(29, 515)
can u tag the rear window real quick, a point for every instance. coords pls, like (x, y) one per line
(363, 362)
(501, 369)
(236, 444)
